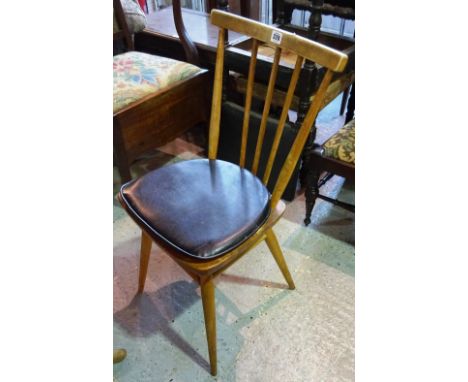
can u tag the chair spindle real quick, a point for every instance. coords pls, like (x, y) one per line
(266, 109)
(217, 97)
(248, 102)
(282, 120)
(299, 141)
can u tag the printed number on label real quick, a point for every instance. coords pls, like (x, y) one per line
(276, 37)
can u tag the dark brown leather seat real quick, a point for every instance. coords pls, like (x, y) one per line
(203, 208)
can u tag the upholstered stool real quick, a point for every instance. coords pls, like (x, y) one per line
(341, 145)
(138, 75)
(156, 99)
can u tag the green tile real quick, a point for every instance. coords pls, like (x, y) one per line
(323, 248)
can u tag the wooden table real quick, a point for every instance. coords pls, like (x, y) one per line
(160, 35)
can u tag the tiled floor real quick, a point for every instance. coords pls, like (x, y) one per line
(265, 331)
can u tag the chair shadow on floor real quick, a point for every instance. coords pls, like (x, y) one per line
(149, 313)
(154, 312)
(230, 278)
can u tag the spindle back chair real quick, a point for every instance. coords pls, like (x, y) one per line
(207, 213)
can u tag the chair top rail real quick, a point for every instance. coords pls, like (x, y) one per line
(275, 37)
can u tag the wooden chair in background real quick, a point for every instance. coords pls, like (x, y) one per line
(207, 213)
(345, 10)
(342, 9)
(335, 156)
(156, 99)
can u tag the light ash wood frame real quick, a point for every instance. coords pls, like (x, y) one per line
(204, 271)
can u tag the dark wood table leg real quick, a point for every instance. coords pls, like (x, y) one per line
(120, 155)
(309, 84)
(312, 190)
(350, 112)
(344, 100)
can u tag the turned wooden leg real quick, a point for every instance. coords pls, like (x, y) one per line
(344, 100)
(124, 171)
(311, 192)
(350, 112)
(120, 154)
(145, 250)
(275, 250)
(307, 152)
(208, 299)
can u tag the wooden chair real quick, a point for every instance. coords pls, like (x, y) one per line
(207, 213)
(335, 156)
(155, 98)
(344, 9)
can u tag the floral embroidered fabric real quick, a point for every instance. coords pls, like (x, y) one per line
(341, 145)
(138, 74)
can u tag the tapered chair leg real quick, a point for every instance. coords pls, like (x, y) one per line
(275, 250)
(209, 310)
(344, 100)
(145, 250)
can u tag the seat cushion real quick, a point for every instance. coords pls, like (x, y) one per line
(341, 145)
(137, 75)
(202, 208)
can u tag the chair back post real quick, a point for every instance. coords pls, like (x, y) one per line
(280, 40)
(123, 32)
(217, 97)
(266, 109)
(190, 49)
(248, 102)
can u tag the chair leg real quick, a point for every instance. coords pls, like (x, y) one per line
(124, 171)
(120, 154)
(123, 166)
(145, 249)
(311, 193)
(275, 250)
(344, 100)
(350, 112)
(208, 299)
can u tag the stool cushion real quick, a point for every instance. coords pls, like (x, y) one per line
(202, 208)
(137, 75)
(341, 145)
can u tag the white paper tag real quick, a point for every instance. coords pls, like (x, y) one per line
(276, 37)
